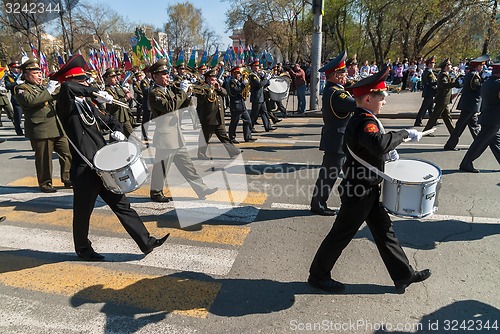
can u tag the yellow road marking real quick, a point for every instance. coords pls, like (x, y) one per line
(107, 221)
(243, 197)
(158, 293)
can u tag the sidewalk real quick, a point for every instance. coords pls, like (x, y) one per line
(404, 105)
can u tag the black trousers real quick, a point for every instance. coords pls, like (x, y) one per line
(488, 136)
(247, 124)
(328, 174)
(466, 118)
(18, 114)
(427, 104)
(353, 212)
(87, 185)
(220, 132)
(260, 109)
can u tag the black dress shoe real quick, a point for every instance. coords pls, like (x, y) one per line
(277, 121)
(159, 197)
(90, 255)
(68, 185)
(449, 148)
(418, 124)
(207, 192)
(2, 218)
(234, 141)
(272, 128)
(329, 285)
(468, 169)
(324, 211)
(48, 189)
(418, 276)
(251, 140)
(157, 243)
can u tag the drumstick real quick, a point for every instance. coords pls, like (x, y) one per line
(425, 133)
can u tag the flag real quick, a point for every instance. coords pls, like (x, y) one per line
(34, 51)
(203, 60)
(215, 58)
(44, 64)
(192, 59)
(180, 58)
(126, 60)
(60, 60)
(69, 54)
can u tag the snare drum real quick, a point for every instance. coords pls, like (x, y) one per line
(121, 167)
(414, 190)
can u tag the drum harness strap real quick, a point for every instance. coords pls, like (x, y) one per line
(373, 169)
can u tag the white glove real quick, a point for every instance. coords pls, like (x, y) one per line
(393, 155)
(52, 86)
(19, 81)
(268, 76)
(184, 85)
(414, 135)
(245, 82)
(3, 89)
(104, 97)
(117, 135)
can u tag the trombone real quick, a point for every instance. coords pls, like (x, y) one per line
(118, 103)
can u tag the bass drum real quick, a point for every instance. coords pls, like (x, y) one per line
(278, 88)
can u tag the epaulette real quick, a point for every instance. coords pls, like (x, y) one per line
(23, 87)
(369, 115)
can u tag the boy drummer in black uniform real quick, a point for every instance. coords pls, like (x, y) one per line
(360, 191)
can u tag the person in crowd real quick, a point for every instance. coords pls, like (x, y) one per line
(165, 100)
(43, 129)
(364, 71)
(429, 86)
(299, 77)
(489, 119)
(12, 79)
(373, 67)
(5, 103)
(258, 81)
(211, 108)
(236, 86)
(338, 106)
(83, 123)
(136, 86)
(443, 97)
(145, 85)
(365, 139)
(469, 104)
(112, 79)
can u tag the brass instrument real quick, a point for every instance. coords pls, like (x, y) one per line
(246, 90)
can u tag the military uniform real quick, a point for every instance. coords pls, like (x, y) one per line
(469, 104)
(11, 81)
(211, 108)
(43, 129)
(443, 98)
(429, 85)
(360, 192)
(145, 85)
(5, 104)
(338, 106)
(490, 123)
(238, 109)
(122, 114)
(259, 108)
(136, 86)
(168, 138)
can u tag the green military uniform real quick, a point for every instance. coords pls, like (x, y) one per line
(120, 113)
(5, 104)
(43, 129)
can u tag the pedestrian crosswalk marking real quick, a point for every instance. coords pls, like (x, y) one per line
(182, 296)
(235, 196)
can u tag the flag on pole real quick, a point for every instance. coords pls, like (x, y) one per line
(34, 51)
(192, 59)
(60, 60)
(126, 60)
(203, 60)
(215, 58)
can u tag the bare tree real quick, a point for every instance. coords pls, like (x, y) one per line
(184, 26)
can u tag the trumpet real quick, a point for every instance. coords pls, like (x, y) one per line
(118, 103)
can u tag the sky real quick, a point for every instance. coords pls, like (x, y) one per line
(154, 12)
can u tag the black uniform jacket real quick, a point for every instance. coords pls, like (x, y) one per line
(471, 93)
(235, 88)
(364, 138)
(338, 106)
(429, 83)
(76, 119)
(490, 106)
(211, 106)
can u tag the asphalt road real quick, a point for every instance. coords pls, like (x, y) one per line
(244, 269)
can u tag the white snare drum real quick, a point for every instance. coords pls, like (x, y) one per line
(414, 190)
(278, 88)
(121, 167)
